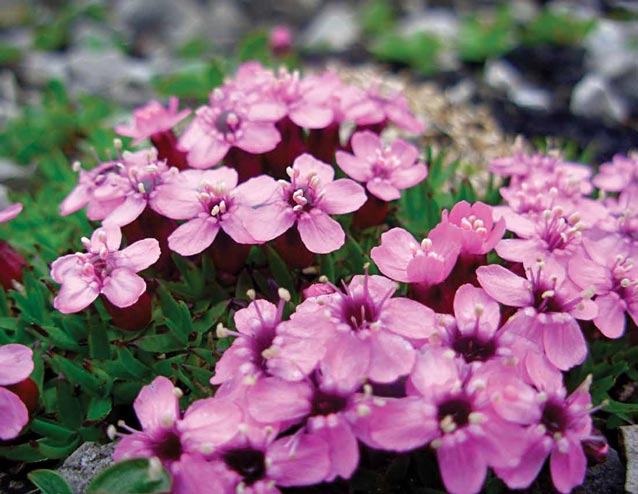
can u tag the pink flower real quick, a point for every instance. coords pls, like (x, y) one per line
(210, 200)
(376, 108)
(614, 278)
(256, 325)
(363, 332)
(447, 407)
(401, 258)
(618, 175)
(151, 119)
(386, 170)
(16, 365)
(307, 201)
(232, 119)
(206, 425)
(280, 40)
(478, 231)
(559, 432)
(10, 212)
(103, 269)
(549, 304)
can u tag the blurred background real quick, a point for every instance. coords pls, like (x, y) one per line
(563, 69)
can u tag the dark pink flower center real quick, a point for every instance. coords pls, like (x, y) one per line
(247, 462)
(455, 411)
(168, 446)
(228, 122)
(359, 313)
(559, 232)
(327, 403)
(474, 349)
(554, 417)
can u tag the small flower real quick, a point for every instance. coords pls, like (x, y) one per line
(386, 170)
(152, 119)
(478, 231)
(210, 200)
(618, 175)
(103, 269)
(10, 212)
(16, 365)
(307, 201)
(280, 40)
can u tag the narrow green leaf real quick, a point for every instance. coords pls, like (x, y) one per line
(49, 482)
(131, 477)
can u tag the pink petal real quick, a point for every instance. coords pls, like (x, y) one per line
(365, 145)
(135, 445)
(320, 233)
(65, 266)
(356, 168)
(343, 450)
(193, 236)
(568, 469)
(267, 111)
(346, 362)
(469, 301)
(208, 152)
(408, 318)
(10, 212)
(127, 212)
(309, 165)
(256, 191)
(406, 153)
(563, 341)
(383, 189)
(391, 357)
(611, 319)
(209, 422)
(139, 255)
(404, 178)
(341, 196)
(14, 415)
(16, 363)
(270, 221)
(504, 286)
(308, 463)
(462, 467)
(434, 373)
(394, 254)
(75, 294)
(274, 400)
(258, 137)
(123, 287)
(176, 202)
(521, 476)
(157, 404)
(311, 116)
(585, 273)
(403, 424)
(520, 250)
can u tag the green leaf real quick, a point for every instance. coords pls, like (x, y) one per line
(131, 477)
(49, 482)
(280, 271)
(99, 408)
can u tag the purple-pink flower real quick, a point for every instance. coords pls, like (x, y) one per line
(478, 232)
(103, 269)
(151, 119)
(211, 201)
(386, 170)
(10, 212)
(307, 201)
(16, 365)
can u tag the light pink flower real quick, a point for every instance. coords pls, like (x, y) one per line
(152, 118)
(608, 268)
(307, 201)
(478, 231)
(549, 305)
(386, 170)
(233, 118)
(363, 332)
(10, 212)
(210, 200)
(401, 258)
(447, 407)
(16, 365)
(103, 269)
(280, 40)
(559, 432)
(376, 108)
(618, 175)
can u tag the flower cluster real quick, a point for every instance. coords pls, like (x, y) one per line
(16, 365)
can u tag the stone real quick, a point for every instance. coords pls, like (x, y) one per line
(335, 28)
(629, 442)
(38, 68)
(528, 96)
(85, 463)
(11, 170)
(612, 47)
(442, 23)
(605, 478)
(593, 97)
(226, 23)
(501, 75)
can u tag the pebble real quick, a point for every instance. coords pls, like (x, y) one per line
(335, 28)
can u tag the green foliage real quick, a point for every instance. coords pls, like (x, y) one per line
(139, 476)
(419, 50)
(195, 82)
(482, 38)
(377, 17)
(556, 28)
(49, 482)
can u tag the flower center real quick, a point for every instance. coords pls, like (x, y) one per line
(168, 447)
(227, 122)
(247, 462)
(326, 403)
(554, 417)
(359, 313)
(473, 349)
(454, 413)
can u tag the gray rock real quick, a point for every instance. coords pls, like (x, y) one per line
(38, 68)
(11, 170)
(85, 463)
(528, 96)
(593, 97)
(225, 23)
(605, 478)
(8, 96)
(612, 47)
(461, 92)
(629, 442)
(442, 23)
(502, 76)
(335, 28)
